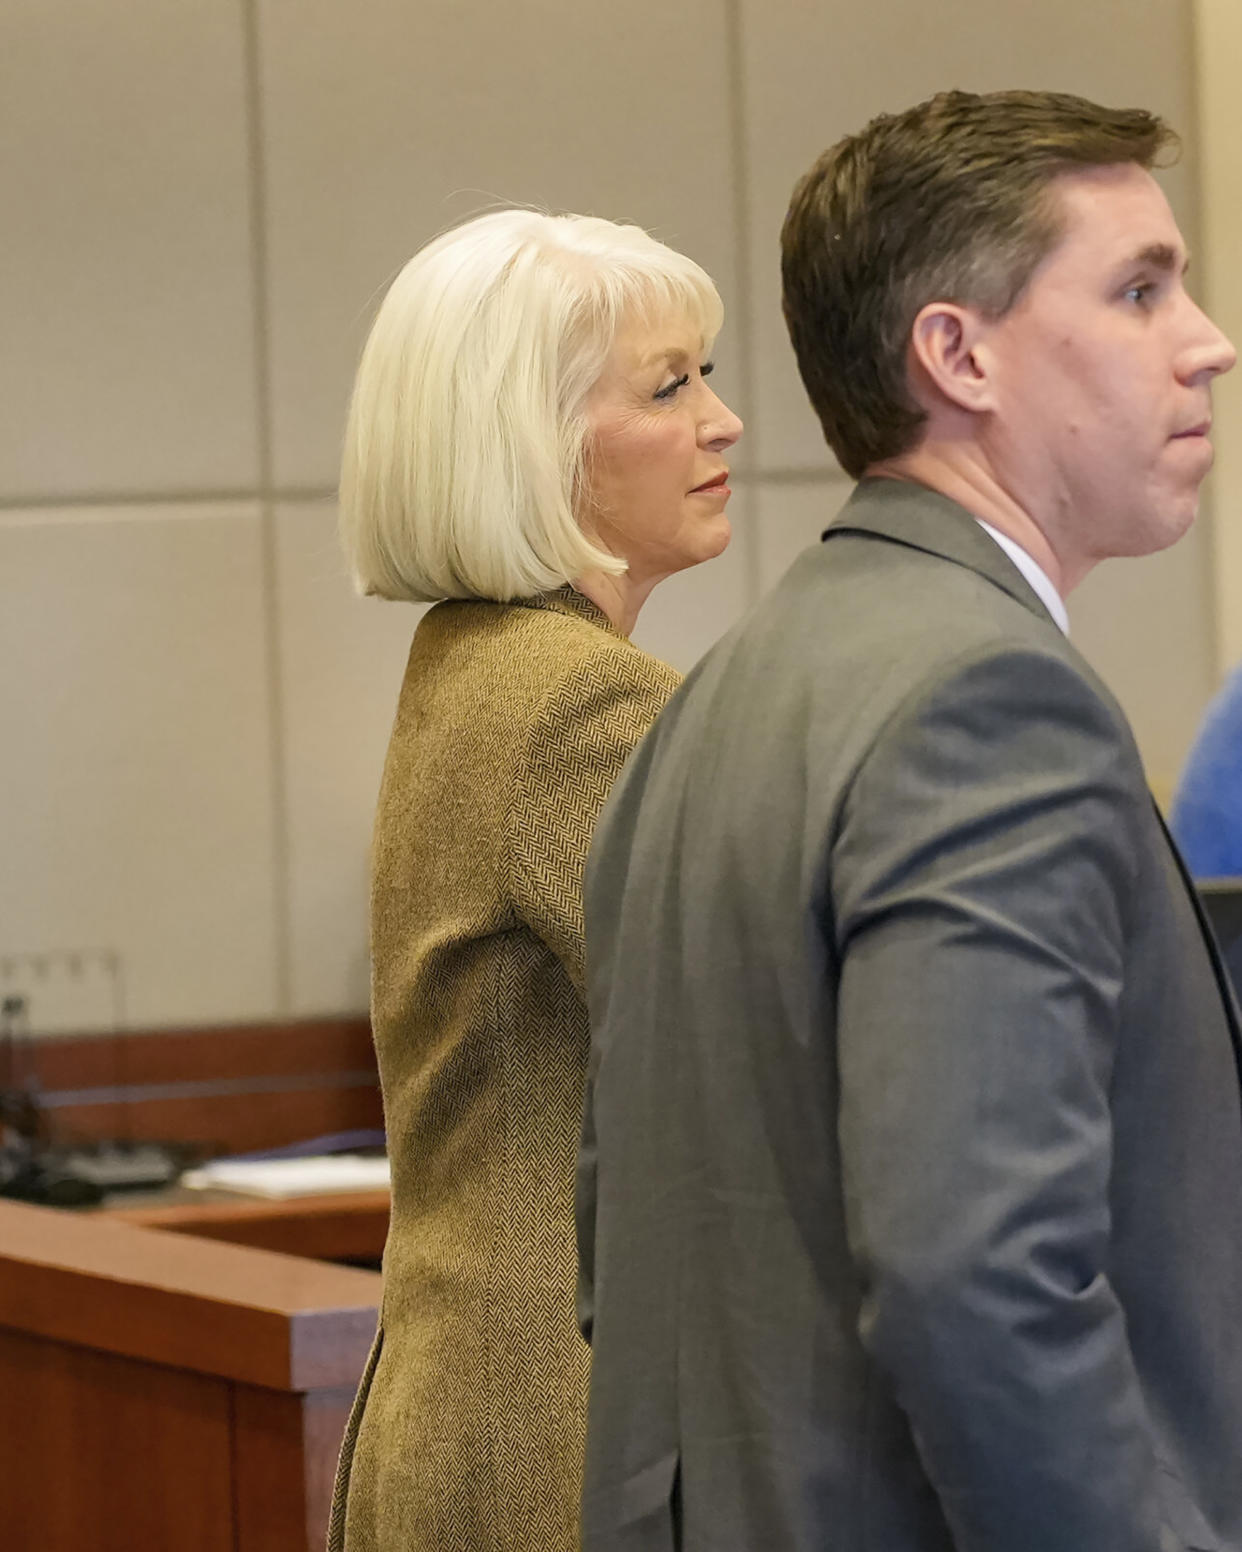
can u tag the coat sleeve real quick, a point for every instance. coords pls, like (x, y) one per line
(584, 732)
(982, 874)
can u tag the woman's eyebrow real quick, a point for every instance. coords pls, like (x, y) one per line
(669, 357)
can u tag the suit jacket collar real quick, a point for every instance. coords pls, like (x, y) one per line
(923, 519)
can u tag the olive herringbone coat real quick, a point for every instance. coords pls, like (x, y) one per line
(513, 722)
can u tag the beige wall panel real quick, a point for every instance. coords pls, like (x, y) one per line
(816, 72)
(1219, 60)
(342, 658)
(1145, 626)
(125, 268)
(387, 121)
(135, 792)
(790, 517)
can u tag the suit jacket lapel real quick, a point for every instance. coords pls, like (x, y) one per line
(905, 513)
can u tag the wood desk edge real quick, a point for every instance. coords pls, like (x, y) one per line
(268, 1319)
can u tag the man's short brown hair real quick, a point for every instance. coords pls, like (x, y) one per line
(948, 201)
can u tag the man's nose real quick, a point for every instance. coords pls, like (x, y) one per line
(1212, 352)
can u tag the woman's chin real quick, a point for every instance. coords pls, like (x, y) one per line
(712, 540)
(708, 540)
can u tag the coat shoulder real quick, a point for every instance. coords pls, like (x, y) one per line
(524, 654)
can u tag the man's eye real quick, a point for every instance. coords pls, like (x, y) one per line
(670, 389)
(1139, 293)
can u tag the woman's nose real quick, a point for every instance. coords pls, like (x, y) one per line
(720, 427)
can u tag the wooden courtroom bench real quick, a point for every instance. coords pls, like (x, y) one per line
(159, 1391)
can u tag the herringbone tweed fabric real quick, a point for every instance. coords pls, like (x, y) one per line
(513, 722)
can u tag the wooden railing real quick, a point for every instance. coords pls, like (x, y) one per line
(230, 1089)
(159, 1391)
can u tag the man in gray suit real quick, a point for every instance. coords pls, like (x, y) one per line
(911, 1184)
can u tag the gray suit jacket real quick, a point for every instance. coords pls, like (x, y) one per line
(911, 1184)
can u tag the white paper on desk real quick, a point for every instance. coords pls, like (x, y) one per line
(291, 1177)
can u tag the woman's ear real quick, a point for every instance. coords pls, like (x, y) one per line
(946, 358)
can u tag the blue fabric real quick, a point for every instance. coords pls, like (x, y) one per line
(1207, 811)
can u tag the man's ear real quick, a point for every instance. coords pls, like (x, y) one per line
(945, 357)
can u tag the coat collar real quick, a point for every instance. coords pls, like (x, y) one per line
(568, 600)
(923, 519)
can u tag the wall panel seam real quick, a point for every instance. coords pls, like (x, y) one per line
(740, 323)
(270, 559)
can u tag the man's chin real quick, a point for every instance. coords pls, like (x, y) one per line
(1167, 526)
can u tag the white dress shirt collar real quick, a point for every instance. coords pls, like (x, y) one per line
(1034, 574)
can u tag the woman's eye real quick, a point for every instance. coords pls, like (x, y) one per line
(1139, 293)
(707, 369)
(670, 389)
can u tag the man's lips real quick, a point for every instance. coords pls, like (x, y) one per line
(1201, 430)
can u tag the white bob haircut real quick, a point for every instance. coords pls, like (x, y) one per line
(463, 473)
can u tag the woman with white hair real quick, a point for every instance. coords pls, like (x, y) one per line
(532, 438)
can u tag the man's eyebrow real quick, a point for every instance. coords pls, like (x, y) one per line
(1162, 257)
